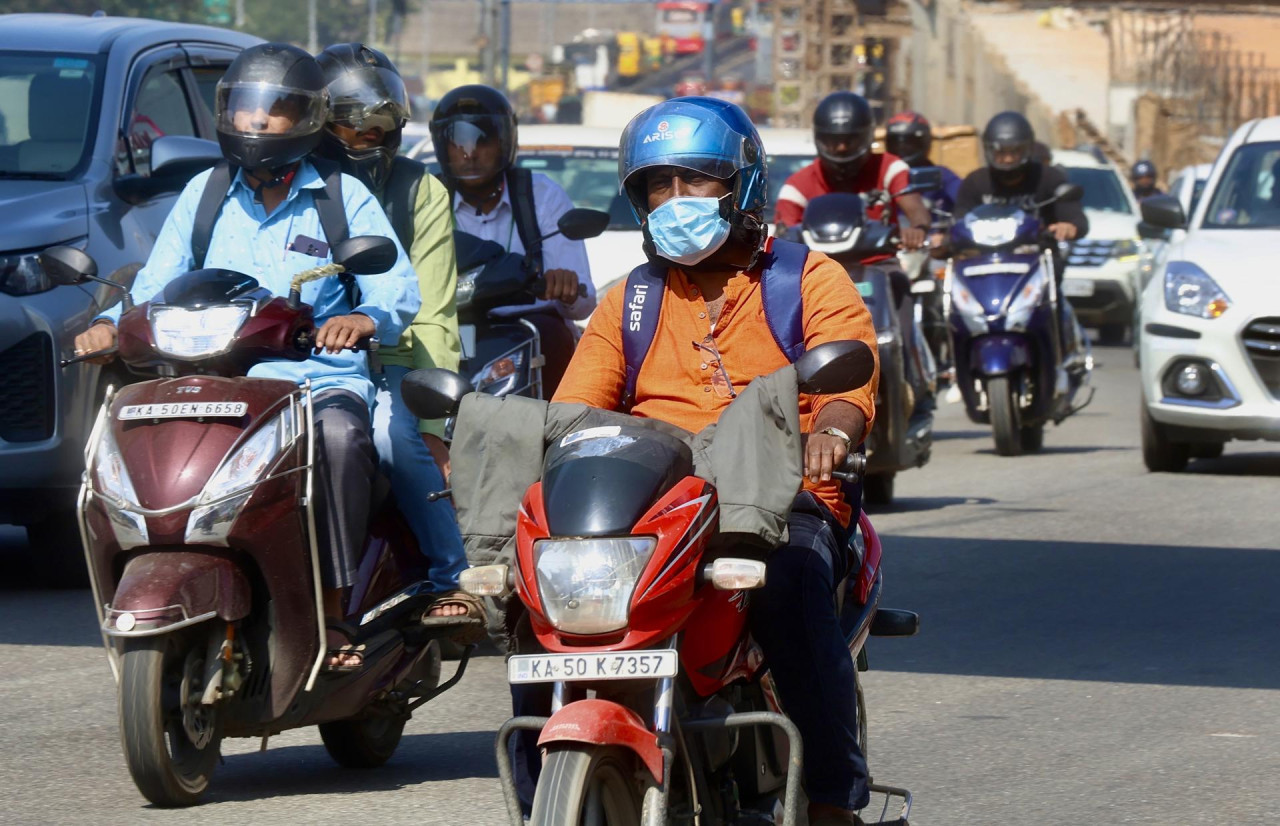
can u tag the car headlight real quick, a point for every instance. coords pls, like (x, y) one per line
(1127, 249)
(21, 273)
(194, 333)
(466, 287)
(1189, 290)
(504, 374)
(586, 584)
(1026, 301)
(968, 308)
(210, 524)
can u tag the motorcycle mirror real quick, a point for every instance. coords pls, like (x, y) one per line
(68, 265)
(834, 367)
(1068, 192)
(366, 254)
(924, 179)
(434, 393)
(579, 224)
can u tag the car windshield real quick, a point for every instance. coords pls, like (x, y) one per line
(589, 174)
(1247, 196)
(782, 167)
(1103, 190)
(45, 106)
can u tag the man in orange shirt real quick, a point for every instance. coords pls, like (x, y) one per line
(693, 169)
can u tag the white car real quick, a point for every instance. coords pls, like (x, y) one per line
(1187, 185)
(1210, 349)
(584, 161)
(1103, 268)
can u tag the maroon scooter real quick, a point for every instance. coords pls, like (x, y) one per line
(199, 529)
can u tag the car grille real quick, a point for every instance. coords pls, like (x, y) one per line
(1089, 253)
(1262, 341)
(26, 390)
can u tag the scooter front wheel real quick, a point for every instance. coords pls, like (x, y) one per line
(171, 742)
(587, 785)
(1005, 424)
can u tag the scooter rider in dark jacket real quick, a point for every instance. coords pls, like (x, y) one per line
(1143, 178)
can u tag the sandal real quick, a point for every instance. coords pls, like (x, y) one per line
(472, 623)
(338, 637)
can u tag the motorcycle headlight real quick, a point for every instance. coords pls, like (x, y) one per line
(245, 468)
(194, 333)
(1189, 290)
(968, 308)
(504, 374)
(466, 287)
(1026, 301)
(586, 584)
(992, 232)
(21, 273)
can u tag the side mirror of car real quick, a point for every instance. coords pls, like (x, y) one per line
(175, 159)
(834, 367)
(1163, 212)
(1151, 232)
(580, 223)
(1068, 192)
(366, 254)
(68, 265)
(434, 393)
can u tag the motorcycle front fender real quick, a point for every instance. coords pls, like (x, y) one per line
(999, 355)
(162, 591)
(603, 723)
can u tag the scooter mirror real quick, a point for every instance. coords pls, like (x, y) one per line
(68, 265)
(366, 254)
(1068, 192)
(579, 224)
(434, 393)
(834, 367)
(924, 179)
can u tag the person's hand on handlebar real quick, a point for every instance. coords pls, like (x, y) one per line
(1063, 231)
(562, 286)
(912, 238)
(938, 243)
(99, 336)
(342, 332)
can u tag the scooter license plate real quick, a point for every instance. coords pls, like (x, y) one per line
(183, 410)
(625, 665)
(467, 332)
(1077, 287)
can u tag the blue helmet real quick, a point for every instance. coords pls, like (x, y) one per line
(704, 134)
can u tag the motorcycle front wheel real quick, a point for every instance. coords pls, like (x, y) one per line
(587, 785)
(171, 742)
(1005, 424)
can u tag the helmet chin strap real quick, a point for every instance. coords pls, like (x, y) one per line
(280, 175)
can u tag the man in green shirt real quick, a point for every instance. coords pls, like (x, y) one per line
(368, 109)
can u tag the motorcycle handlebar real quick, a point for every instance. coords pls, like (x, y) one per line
(852, 469)
(539, 288)
(110, 351)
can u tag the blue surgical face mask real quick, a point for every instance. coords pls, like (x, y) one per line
(688, 230)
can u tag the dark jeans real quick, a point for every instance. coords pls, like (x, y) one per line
(557, 347)
(794, 620)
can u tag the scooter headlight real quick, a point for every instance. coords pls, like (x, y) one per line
(968, 308)
(1026, 302)
(232, 484)
(117, 494)
(586, 584)
(193, 334)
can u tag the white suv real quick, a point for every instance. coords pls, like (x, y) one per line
(1101, 280)
(1210, 348)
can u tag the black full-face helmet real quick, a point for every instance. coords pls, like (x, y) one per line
(270, 107)
(843, 129)
(909, 136)
(1008, 142)
(365, 92)
(478, 124)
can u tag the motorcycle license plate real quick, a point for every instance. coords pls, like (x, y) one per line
(183, 410)
(625, 665)
(1077, 287)
(467, 332)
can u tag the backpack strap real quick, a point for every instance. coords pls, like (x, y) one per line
(642, 304)
(520, 187)
(215, 192)
(333, 218)
(782, 269)
(400, 198)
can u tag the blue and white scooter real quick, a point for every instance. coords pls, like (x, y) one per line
(1013, 368)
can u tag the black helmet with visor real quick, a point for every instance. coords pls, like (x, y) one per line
(270, 107)
(1008, 142)
(466, 122)
(843, 129)
(365, 93)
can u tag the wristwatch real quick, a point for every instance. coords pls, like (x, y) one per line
(838, 433)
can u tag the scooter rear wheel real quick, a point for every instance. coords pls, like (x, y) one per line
(362, 744)
(171, 751)
(587, 785)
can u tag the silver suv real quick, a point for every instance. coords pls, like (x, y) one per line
(102, 122)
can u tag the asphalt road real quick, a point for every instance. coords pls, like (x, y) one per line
(1099, 646)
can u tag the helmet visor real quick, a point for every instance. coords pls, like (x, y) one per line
(267, 110)
(1007, 155)
(845, 147)
(371, 97)
(472, 147)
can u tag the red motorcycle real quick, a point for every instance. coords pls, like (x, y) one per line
(664, 711)
(197, 521)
